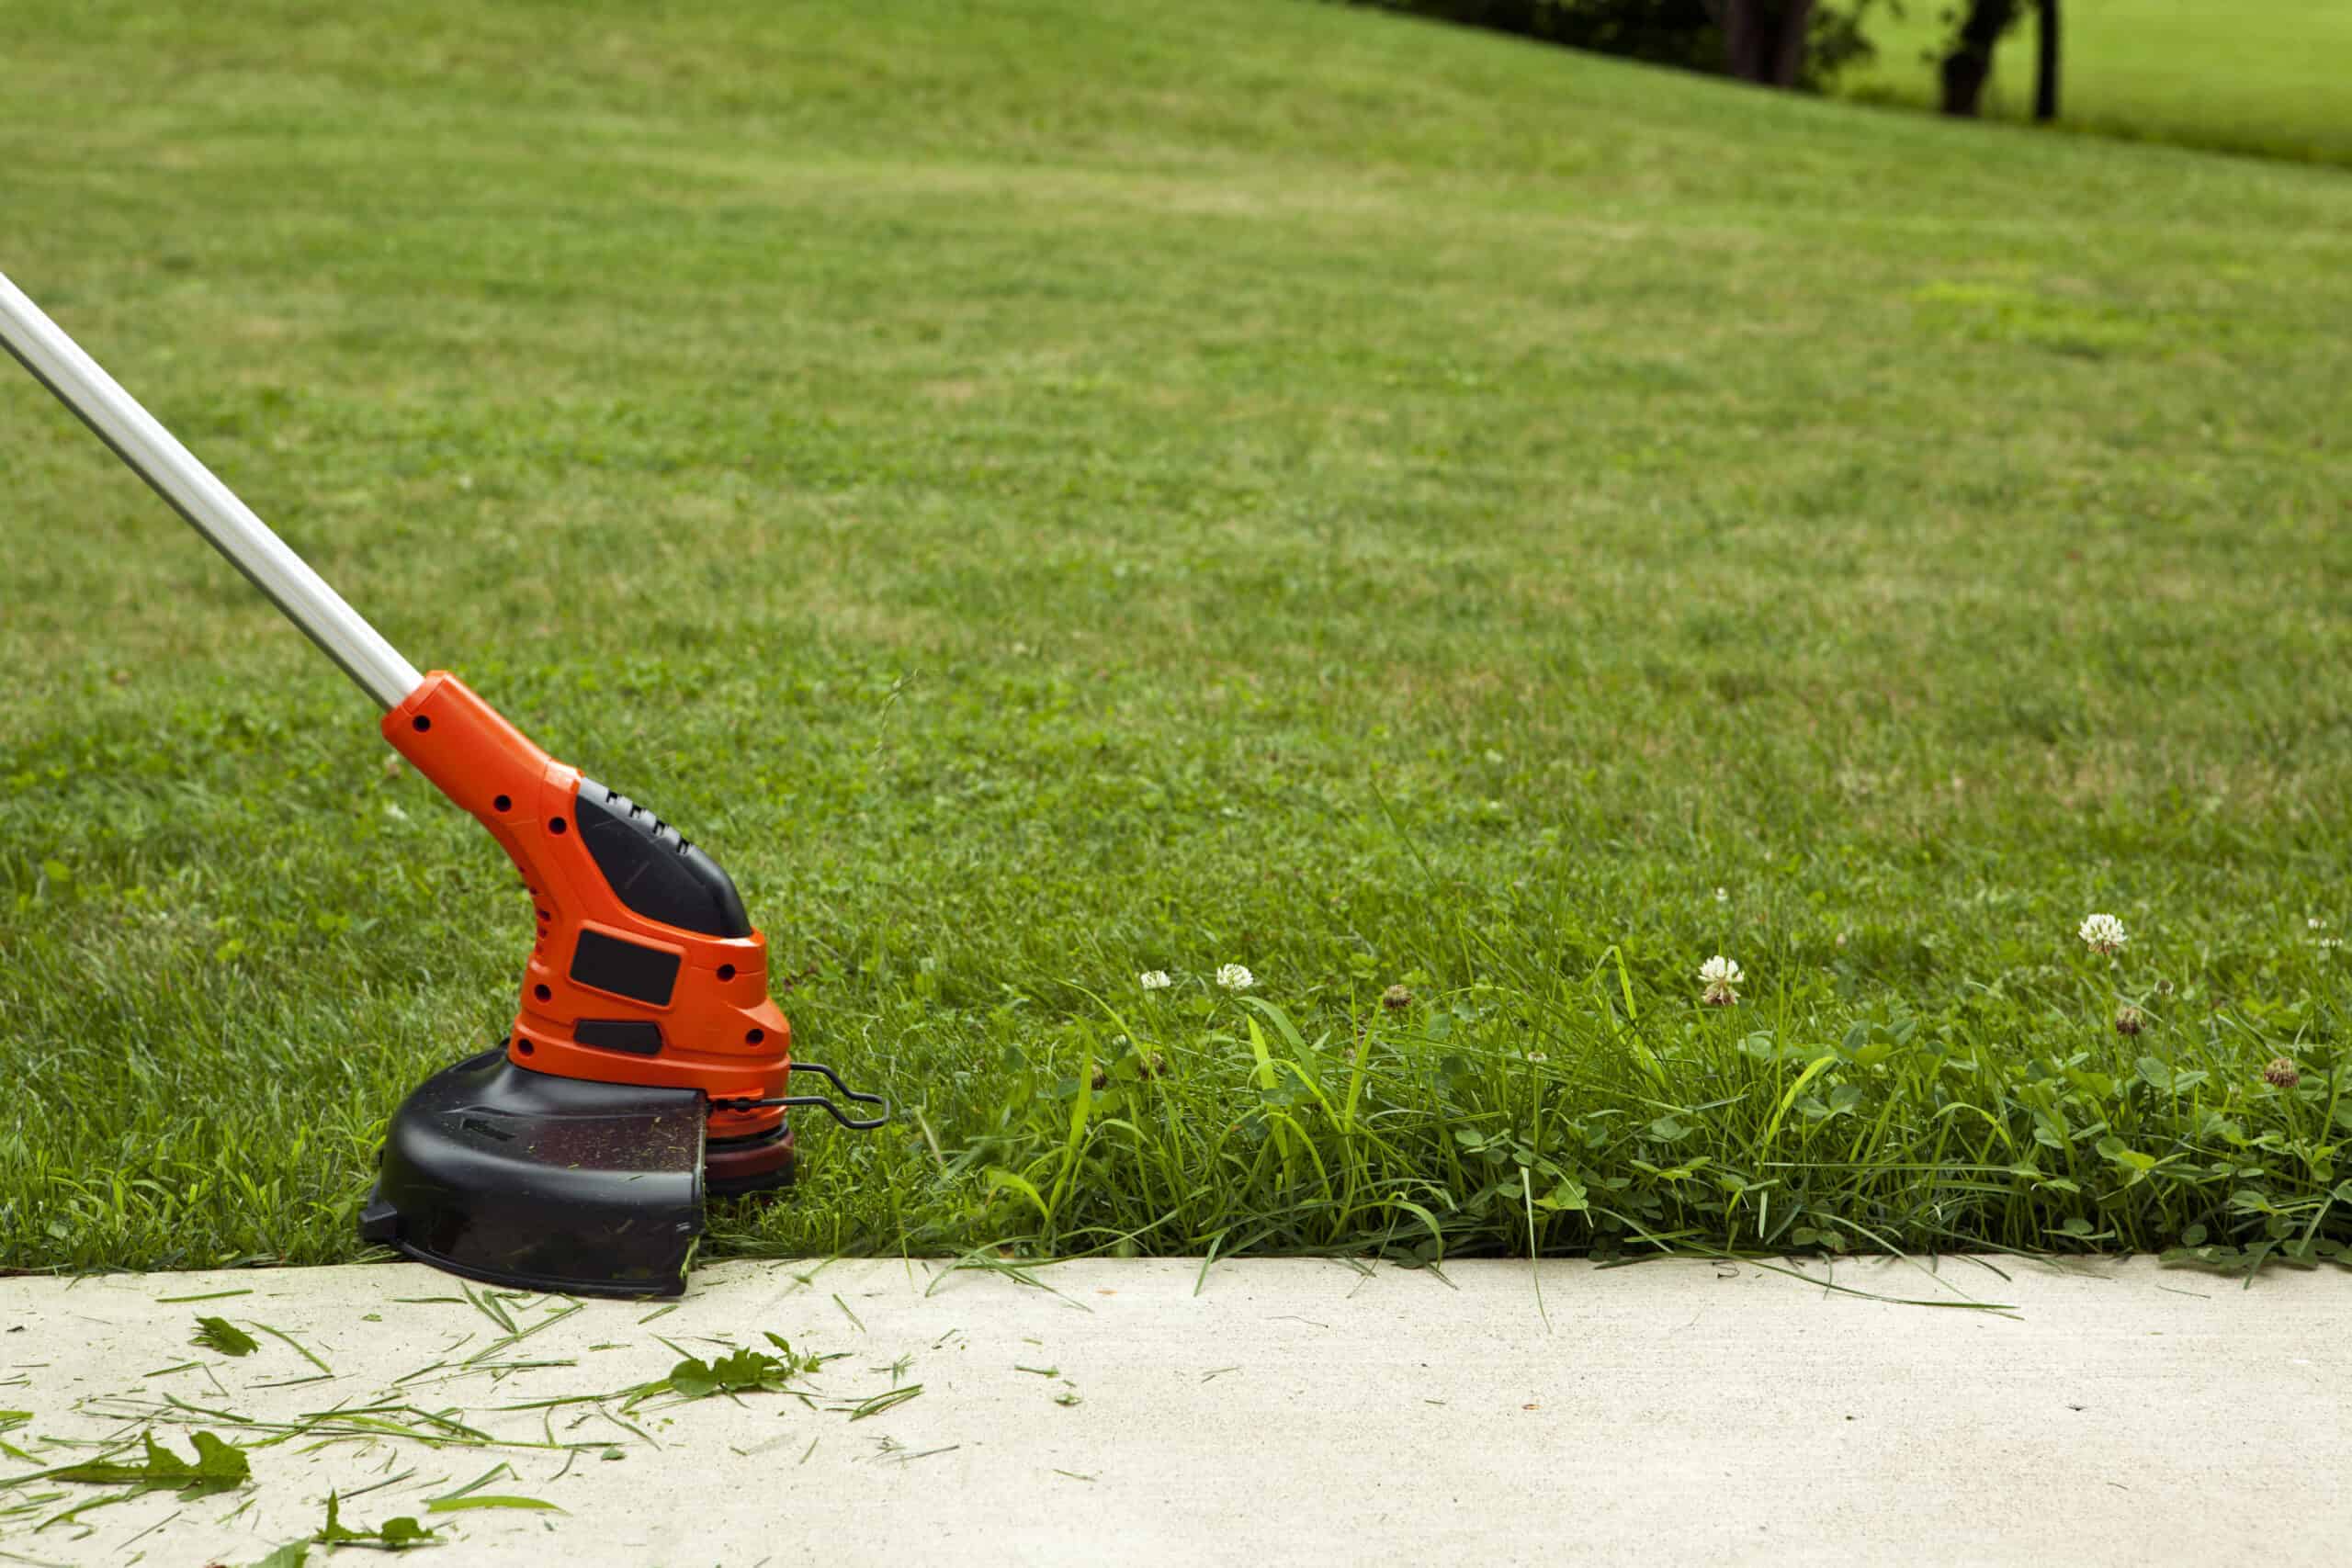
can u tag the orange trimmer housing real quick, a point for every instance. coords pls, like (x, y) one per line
(646, 1067)
(610, 993)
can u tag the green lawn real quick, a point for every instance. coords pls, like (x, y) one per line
(2264, 76)
(1048, 489)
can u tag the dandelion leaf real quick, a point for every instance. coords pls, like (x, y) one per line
(218, 1467)
(743, 1372)
(220, 1334)
(392, 1533)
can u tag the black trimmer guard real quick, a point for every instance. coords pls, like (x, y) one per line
(544, 1183)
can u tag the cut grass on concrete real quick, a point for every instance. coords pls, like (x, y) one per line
(2117, 1389)
(1053, 491)
(2271, 77)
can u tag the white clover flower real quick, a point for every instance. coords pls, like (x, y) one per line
(1722, 895)
(1154, 980)
(1234, 977)
(2315, 923)
(1719, 975)
(2102, 933)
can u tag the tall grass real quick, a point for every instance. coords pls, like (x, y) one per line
(1572, 1098)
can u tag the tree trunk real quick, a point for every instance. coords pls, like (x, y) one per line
(1788, 56)
(1963, 79)
(2045, 72)
(1764, 40)
(1970, 64)
(1741, 26)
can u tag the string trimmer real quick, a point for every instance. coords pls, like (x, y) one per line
(647, 1064)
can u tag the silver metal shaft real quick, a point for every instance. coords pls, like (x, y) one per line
(196, 494)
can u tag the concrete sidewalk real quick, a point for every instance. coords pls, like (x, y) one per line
(1281, 1412)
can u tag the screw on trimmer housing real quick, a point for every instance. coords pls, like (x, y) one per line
(646, 1064)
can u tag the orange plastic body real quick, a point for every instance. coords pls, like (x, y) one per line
(722, 1035)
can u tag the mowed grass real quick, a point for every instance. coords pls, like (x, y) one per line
(1048, 490)
(2272, 77)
